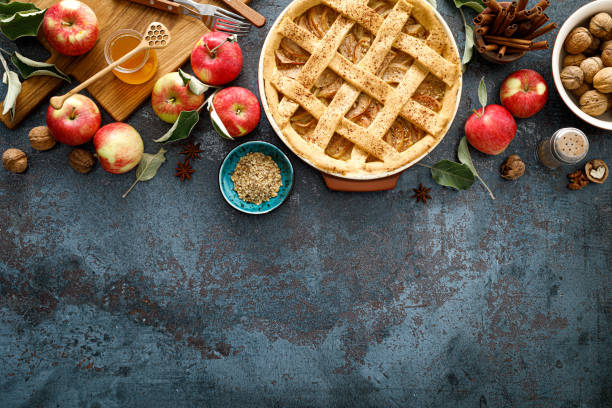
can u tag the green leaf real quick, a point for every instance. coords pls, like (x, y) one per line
(216, 120)
(182, 127)
(468, 49)
(22, 23)
(195, 85)
(14, 88)
(8, 9)
(466, 158)
(147, 169)
(482, 93)
(433, 3)
(451, 174)
(476, 5)
(29, 68)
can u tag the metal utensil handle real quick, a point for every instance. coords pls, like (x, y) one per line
(164, 5)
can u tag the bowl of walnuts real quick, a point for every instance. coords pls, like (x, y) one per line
(582, 63)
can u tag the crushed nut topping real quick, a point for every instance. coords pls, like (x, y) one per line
(256, 178)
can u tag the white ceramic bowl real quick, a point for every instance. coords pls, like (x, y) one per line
(277, 130)
(581, 17)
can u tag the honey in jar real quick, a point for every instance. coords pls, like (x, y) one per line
(139, 68)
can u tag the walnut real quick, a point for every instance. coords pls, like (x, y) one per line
(590, 67)
(594, 103)
(81, 160)
(606, 53)
(578, 92)
(513, 168)
(596, 171)
(15, 160)
(41, 138)
(594, 47)
(602, 81)
(577, 180)
(574, 60)
(572, 77)
(601, 26)
(578, 40)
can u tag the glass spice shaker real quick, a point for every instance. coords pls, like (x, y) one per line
(566, 146)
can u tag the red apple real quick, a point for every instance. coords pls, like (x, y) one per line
(524, 93)
(170, 97)
(492, 131)
(76, 122)
(238, 109)
(71, 27)
(216, 67)
(119, 147)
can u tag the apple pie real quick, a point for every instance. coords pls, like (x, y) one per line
(361, 88)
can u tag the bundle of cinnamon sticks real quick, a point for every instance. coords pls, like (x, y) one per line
(510, 28)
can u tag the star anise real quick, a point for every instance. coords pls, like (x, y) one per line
(184, 171)
(421, 193)
(191, 151)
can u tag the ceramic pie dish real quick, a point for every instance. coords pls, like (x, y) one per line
(360, 90)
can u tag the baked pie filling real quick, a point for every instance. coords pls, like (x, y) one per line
(360, 88)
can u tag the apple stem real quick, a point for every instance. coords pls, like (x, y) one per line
(72, 113)
(213, 52)
(479, 114)
(130, 189)
(485, 186)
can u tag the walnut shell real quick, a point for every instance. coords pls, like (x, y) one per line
(578, 92)
(593, 48)
(573, 60)
(572, 77)
(15, 160)
(578, 40)
(513, 168)
(606, 53)
(596, 166)
(602, 81)
(590, 67)
(81, 160)
(41, 138)
(601, 26)
(594, 103)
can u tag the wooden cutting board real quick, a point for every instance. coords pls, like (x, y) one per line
(117, 98)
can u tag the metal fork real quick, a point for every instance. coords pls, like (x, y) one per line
(216, 18)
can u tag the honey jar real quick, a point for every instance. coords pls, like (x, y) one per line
(139, 68)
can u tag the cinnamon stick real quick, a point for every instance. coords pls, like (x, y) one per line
(510, 30)
(498, 21)
(479, 42)
(540, 45)
(492, 38)
(537, 23)
(521, 5)
(502, 52)
(541, 31)
(543, 4)
(493, 5)
(484, 19)
(524, 28)
(491, 47)
(508, 19)
(480, 30)
(524, 15)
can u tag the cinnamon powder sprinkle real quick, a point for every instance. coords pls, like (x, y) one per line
(256, 178)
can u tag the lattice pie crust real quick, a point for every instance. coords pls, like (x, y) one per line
(361, 88)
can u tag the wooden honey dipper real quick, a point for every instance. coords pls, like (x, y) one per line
(157, 36)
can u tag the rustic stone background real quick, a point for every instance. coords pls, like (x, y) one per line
(172, 298)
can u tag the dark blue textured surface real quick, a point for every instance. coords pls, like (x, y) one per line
(172, 298)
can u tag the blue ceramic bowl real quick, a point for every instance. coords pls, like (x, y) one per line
(227, 185)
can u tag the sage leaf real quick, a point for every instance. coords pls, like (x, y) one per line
(194, 84)
(464, 157)
(433, 3)
(215, 119)
(14, 88)
(482, 93)
(476, 5)
(29, 68)
(147, 169)
(468, 49)
(182, 127)
(22, 23)
(450, 174)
